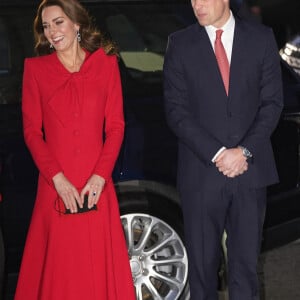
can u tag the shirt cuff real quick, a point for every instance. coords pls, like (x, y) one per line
(218, 153)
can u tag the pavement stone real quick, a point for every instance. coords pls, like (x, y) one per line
(279, 273)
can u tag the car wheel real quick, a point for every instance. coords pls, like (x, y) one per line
(158, 258)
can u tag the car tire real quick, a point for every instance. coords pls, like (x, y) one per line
(154, 237)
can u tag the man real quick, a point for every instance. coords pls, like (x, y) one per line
(223, 120)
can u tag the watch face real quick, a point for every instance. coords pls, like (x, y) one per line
(246, 152)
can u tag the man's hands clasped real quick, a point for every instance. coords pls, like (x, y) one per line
(231, 162)
(69, 194)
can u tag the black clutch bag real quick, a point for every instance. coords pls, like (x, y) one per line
(84, 208)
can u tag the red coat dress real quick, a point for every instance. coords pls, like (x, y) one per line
(65, 116)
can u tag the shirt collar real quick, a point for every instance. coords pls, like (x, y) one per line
(228, 27)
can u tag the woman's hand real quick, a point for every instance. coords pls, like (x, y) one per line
(93, 188)
(67, 192)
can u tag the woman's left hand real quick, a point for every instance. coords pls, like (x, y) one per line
(93, 188)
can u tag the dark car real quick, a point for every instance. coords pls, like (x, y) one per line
(290, 53)
(2, 257)
(145, 173)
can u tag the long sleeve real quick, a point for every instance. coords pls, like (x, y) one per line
(114, 124)
(179, 115)
(271, 100)
(33, 125)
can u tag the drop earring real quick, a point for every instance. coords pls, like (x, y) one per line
(78, 36)
(51, 46)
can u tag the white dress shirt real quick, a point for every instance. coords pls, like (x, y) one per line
(227, 35)
(227, 40)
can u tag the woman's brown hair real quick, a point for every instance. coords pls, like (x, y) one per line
(91, 38)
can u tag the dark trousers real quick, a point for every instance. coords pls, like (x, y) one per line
(207, 213)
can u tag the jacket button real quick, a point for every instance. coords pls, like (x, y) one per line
(76, 115)
(76, 132)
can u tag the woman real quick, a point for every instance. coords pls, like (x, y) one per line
(71, 95)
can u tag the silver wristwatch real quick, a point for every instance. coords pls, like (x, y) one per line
(246, 152)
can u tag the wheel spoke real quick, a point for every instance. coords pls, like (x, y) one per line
(169, 261)
(169, 280)
(145, 236)
(162, 243)
(138, 291)
(127, 225)
(153, 290)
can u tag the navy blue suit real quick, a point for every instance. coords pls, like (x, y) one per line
(205, 119)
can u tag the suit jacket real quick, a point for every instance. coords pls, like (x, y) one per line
(204, 118)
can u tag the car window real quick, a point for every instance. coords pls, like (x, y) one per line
(140, 38)
(141, 32)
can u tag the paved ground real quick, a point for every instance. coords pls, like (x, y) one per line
(279, 274)
(278, 269)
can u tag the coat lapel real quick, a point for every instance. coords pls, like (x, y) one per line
(205, 53)
(238, 55)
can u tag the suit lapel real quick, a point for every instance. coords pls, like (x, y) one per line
(238, 55)
(209, 61)
(205, 54)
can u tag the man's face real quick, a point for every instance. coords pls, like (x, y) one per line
(211, 12)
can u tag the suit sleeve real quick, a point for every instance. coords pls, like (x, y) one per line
(271, 99)
(178, 112)
(32, 125)
(114, 124)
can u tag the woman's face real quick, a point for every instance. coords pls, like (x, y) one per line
(59, 30)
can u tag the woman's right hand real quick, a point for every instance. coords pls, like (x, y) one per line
(67, 192)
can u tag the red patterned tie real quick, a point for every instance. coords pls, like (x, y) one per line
(222, 59)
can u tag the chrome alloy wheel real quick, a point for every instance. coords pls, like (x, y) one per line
(158, 258)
